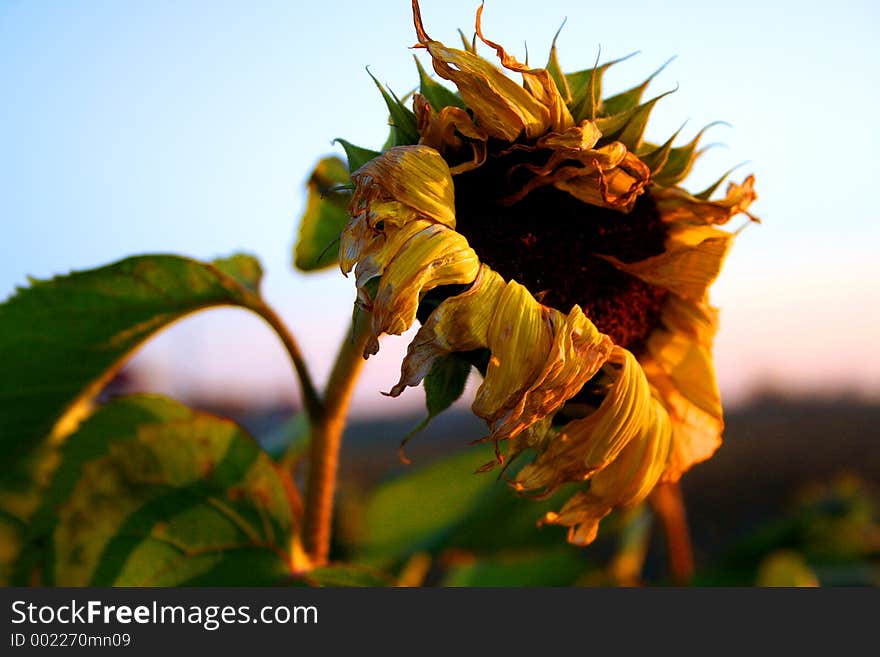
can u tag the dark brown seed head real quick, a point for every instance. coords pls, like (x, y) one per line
(551, 242)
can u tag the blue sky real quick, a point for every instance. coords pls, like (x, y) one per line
(190, 127)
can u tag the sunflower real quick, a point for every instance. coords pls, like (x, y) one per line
(533, 232)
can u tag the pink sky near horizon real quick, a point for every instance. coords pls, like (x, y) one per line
(798, 340)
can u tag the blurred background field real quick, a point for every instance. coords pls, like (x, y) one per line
(791, 498)
(191, 127)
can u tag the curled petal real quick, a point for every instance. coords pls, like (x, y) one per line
(691, 262)
(585, 446)
(356, 238)
(540, 358)
(678, 363)
(573, 140)
(537, 80)
(415, 179)
(576, 354)
(460, 323)
(375, 255)
(520, 337)
(625, 482)
(615, 187)
(368, 231)
(609, 176)
(501, 107)
(444, 131)
(677, 206)
(434, 256)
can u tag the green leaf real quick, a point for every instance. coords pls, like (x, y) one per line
(678, 164)
(630, 98)
(61, 340)
(447, 505)
(628, 127)
(555, 70)
(586, 89)
(786, 568)
(444, 384)
(20, 494)
(404, 128)
(415, 511)
(150, 492)
(435, 93)
(325, 217)
(655, 156)
(347, 575)
(243, 268)
(356, 155)
(561, 566)
(706, 194)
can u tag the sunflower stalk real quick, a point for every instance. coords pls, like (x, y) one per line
(325, 440)
(668, 504)
(311, 399)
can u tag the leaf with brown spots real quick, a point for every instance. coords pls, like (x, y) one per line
(150, 492)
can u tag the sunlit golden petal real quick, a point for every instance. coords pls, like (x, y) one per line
(614, 186)
(448, 129)
(434, 256)
(678, 206)
(576, 354)
(375, 255)
(625, 482)
(586, 446)
(503, 108)
(690, 264)
(537, 80)
(678, 363)
(539, 359)
(609, 176)
(520, 337)
(460, 323)
(415, 177)
(573, 140)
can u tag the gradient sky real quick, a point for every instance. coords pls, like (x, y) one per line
(191, 127)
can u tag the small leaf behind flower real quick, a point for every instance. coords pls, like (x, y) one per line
(325, 217)
(404, 129)
(444, 384)
(357, 155)
(435, 93)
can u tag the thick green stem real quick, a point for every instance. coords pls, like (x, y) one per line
(325, 441)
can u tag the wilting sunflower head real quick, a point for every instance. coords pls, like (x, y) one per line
(537, 236)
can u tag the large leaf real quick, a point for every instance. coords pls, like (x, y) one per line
(20, 494)
(326, 215)
(447, 505)
(150, 492)
(344, 575)
(416, 511)
(552, 567)
(61, 340)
